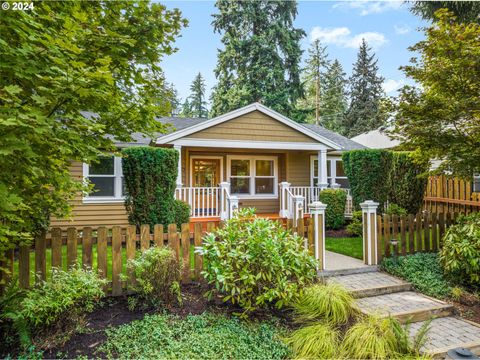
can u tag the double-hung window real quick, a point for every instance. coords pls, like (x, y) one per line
(107, 179)
(335, 172)
(254, 176)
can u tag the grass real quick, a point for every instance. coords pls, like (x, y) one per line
(347, 246)
(317, 341)
(205, 336)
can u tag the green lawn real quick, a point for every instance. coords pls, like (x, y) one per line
(347, 246)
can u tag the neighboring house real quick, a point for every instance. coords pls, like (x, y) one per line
(376, 139)
(250, 157)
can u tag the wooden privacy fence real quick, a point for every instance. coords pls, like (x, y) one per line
(107, 250)
(450, 195)
(408, 234)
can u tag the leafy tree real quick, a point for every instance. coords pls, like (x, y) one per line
(365, 94)
(59, 59)
(313, 74)
(197, 104)
(260, 60)
(334, 103)
(465, 11)
(442, 118)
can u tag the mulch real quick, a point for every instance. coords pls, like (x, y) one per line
(468, 307)
(340, 233)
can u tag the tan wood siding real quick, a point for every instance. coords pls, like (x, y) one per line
(298, 168)
(254, 126)
(91, 214)
(262, 206)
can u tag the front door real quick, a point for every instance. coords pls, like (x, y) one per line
(205, 179)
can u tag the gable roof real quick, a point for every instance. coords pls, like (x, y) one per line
(344, 142)
(201, 125)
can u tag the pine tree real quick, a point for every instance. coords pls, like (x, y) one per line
(365, 94)
(334, 98)
(186, 109)
(313, 75)
(464, 11)
(261, 55)
(197, 104)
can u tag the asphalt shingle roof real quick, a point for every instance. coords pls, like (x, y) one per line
(344, 142)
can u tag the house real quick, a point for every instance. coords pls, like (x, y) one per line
(376, 139)
(249, 157)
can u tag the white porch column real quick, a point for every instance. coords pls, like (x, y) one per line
(317, 212)
(283, 199)
(369, 216)
(322, 169)
(179, 175)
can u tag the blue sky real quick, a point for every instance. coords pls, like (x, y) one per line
(388, 26)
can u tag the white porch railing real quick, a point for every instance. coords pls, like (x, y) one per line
(203, 201)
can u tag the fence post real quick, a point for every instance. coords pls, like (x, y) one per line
(297, 208)
(232, 206)
(317, 211)
(283, 199)
(224, 189)
(369, 216)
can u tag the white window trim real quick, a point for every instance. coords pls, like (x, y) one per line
(205, 157)
(117, 174)
(333, 169)
(252, 176)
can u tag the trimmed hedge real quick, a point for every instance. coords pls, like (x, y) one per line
(150, 176)
(335, 212)
(382, 175)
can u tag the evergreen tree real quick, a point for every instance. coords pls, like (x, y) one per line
(313, 76)
(260, 61)
(334, 98)
(186, 109)
(197, 104)
(464, 11)
(365, 94)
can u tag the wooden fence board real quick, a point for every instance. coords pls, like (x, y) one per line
(24, 266)
(433, 222)
(116, 260)
(387, 229)
(87, 247)
(57, 248)
(197, 241)
(411, 233)
(131, 249)
(310, 236)
(379, 238)
(144, 237)
(403, 235)
(173, 241)
(40, 257)
(158, 235)
(186, 252)
(102, 268)
(426, 232)
(71, 247)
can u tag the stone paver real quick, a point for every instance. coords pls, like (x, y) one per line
(447, 333)
(334, 261)
(399, 303)
(366, 281)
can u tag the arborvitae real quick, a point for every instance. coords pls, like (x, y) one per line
(197, 103)
(365, 94)
(334, 98)
(261, 55)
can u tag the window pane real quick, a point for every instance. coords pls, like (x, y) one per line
(339, 167)
(315, 167)
(103, 167)
(104, 186)
(264, 185)
(240, 185)
(343, 183)
(264, 167)
(329, 168)
(240, 168)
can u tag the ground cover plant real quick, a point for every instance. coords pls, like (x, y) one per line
(205, 336)
(255, 263)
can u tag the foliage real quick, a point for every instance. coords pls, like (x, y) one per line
(394, 209)
(334, 102)
(365, 94)
(53, 307)
(367, 172)
(465, 11)
(59, 59)
(157, 273)
(255, 262)
(261, 55)
(440, 117)
(423, 270)
(331, 303)
(205, 336)
(405, 181)
(350, 246)
(181, 213)
(335, 211)
(355, 227)
(150, 176)
(197, 104)
(460, 254)
(316, 341)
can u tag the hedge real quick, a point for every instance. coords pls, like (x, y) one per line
(335, 212)
(150, 176)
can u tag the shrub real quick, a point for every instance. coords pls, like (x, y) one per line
(460, 255)
(335, 212)
(367, 172)
(394, 209)
(181, 211)
(157, 272)
(317, 341)
(150, 176)
(331, 303)
(51, 311)
(355, 227)
(423, 270)
(255, 262)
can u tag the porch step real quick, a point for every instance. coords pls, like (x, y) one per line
(405, 306)
(371, 284)
(344, 272)
(449, 333)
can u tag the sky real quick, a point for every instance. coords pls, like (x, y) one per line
(388, 27)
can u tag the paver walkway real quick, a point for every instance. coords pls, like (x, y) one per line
(335, 261)
(382, 294)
